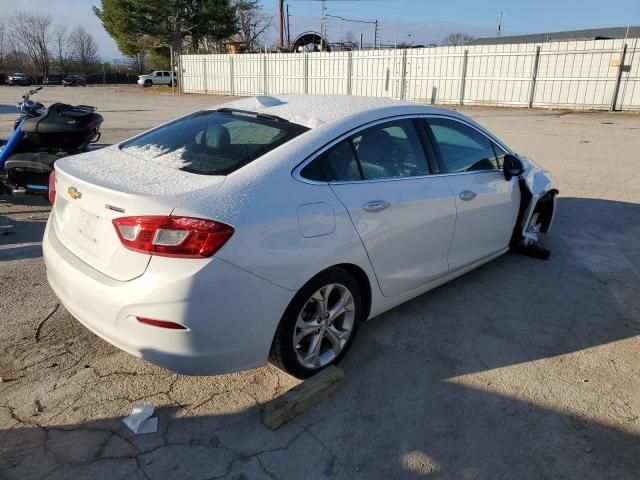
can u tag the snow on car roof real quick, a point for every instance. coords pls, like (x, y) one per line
(315, 110)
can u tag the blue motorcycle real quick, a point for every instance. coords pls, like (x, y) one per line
(41, 136)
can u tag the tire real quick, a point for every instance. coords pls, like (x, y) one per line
(147, 83)
(314, 325)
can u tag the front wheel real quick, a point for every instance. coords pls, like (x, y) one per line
(147, 83)
(319, 325)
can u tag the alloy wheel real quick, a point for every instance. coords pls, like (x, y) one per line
(324, 326)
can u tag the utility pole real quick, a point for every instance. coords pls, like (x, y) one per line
(375, 35)
(280, 23)
(288, 28)
(323, 25)
(173, 70)
(499, 22)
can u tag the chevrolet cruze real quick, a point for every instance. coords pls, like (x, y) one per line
(271, 228)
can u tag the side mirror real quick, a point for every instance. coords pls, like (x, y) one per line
(512, 167)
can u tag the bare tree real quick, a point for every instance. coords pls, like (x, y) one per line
(138, 62)
(457, 39)
(33, 32)
(17, 55)
(3, 46)
(253, 23)
(62, 49)
(85, 49)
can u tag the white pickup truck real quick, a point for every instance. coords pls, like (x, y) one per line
(158, 77)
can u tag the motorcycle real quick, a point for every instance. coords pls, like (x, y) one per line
(41, 136)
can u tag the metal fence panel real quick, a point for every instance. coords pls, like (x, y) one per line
(575, 74)
(248, 74)
(630, 85)
(434, 75)
(327, 72)
(285, 74)
(376, 73)
(499, 75)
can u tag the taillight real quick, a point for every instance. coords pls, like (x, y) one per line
(184, 237)
(52, 187)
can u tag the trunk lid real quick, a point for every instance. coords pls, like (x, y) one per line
(97, 187)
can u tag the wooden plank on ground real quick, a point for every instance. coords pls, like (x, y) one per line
(302, 397)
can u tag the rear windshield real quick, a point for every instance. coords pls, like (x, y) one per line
(213, 142)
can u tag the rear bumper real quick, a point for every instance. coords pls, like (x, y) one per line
(231, 315)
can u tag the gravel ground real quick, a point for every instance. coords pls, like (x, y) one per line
(520, 369)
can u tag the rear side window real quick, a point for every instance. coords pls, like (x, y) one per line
(212, 142)
(463, 148)
(340, 164)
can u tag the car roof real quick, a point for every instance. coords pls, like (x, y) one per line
(316, 110)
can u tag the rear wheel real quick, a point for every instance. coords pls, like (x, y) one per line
(319, 325)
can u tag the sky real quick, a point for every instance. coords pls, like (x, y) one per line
(412, 21)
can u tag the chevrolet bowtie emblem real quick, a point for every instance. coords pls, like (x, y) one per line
(74, 193)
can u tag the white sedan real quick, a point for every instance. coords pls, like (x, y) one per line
(270, 228)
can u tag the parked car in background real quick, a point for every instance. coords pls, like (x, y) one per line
(270, 228)
(159, 77)
(74, 81)
(19, 79)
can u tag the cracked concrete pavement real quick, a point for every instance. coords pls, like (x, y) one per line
(520, 369)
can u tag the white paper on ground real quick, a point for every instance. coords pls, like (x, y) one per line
(139, 421)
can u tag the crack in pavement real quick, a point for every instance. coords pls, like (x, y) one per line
(41, 324)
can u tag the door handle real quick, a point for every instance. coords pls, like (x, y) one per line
(467, 195)
(375, 205)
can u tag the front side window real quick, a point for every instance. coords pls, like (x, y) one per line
(388, 150)
(158, 74)
(211, 142)
(500, 154)
(463, 148)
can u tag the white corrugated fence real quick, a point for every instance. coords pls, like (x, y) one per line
(594, 74)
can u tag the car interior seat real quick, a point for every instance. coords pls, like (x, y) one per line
(217, 136)
(375, 151)
(340, 164)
